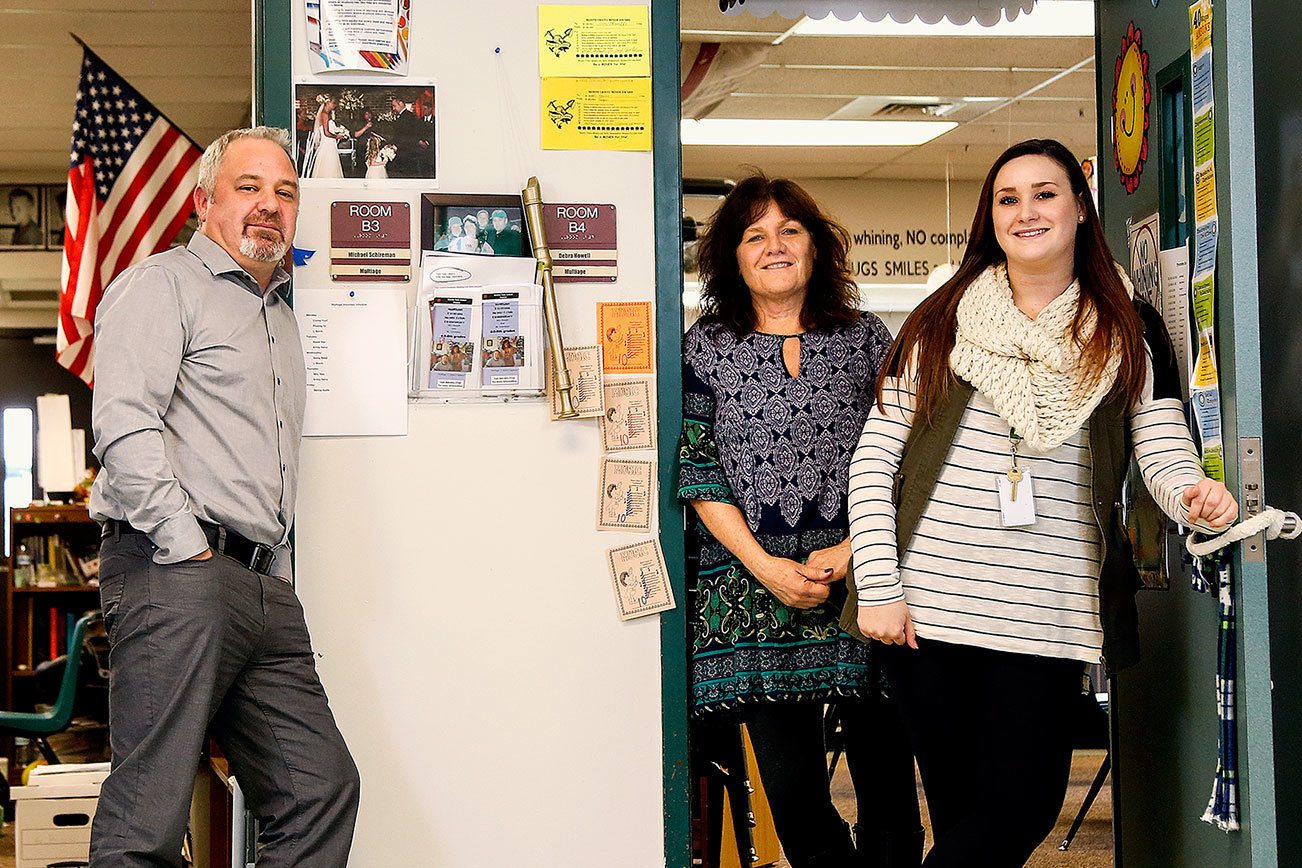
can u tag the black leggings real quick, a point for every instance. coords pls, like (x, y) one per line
(992, 734)
(792, 759)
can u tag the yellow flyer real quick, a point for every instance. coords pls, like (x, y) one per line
(600, 41)
(596, 114)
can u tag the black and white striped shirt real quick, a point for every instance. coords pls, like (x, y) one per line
(967, 578)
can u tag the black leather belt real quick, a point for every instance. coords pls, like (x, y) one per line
(222, 541)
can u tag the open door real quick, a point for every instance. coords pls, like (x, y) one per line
(1165, 720)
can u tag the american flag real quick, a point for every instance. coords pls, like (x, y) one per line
(130, 181)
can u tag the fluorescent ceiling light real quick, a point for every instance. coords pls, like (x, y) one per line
(1048, 18)
(811, 133)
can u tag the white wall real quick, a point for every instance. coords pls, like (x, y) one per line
(26, 270)
(466, 631)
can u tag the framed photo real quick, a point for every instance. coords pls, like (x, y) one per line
(474, 223)
(348, 130)
(56, 198)
(22, 226)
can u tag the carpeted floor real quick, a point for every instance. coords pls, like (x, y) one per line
(1092, 847)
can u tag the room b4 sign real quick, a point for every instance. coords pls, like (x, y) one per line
(1131, 100)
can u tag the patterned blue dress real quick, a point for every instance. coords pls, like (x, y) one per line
(777, 447)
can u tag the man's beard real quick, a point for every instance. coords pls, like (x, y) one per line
(263, 250)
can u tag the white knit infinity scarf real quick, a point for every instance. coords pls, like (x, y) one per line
(1029, 368)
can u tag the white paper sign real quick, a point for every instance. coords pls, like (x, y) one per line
(1175, 308)
(354, 345)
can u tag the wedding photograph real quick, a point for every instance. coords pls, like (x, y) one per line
(370, 132)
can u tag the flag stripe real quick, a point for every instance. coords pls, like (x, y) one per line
(85, 244)
(149, 208)
(131, 175)
(125, 208)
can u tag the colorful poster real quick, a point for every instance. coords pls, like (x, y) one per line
(596, 114)
(358, 34)
(1132, 98)
(594, 41)
(625, 331)
(1205, 385)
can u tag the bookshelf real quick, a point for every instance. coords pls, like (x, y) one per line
(53, 579)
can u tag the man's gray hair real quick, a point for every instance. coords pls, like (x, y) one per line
(211, 161)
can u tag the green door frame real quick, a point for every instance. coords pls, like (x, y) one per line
(273, 102)
(1241, 402)
(668, 182)
(1239, 357)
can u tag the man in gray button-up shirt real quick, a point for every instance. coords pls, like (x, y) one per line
(198, 411)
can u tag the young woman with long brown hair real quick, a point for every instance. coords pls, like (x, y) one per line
(984, 501)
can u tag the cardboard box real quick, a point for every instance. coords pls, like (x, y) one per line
(54, 814)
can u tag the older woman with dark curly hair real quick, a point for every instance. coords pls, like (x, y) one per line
(777, 382)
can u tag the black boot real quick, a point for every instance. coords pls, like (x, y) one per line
(888, 849)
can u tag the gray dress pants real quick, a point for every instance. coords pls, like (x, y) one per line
(205, 647)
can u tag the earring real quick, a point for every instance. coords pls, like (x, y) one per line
(1080, 219)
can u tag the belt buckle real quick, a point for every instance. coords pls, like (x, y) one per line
(260, 560)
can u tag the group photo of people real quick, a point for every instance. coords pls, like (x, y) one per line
(365, 131)
(464, 225)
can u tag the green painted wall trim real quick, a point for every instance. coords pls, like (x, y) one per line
(668, 173)
(272, 63)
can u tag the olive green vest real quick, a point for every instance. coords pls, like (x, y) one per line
(924, 455)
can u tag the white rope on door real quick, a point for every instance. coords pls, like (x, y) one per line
(1276, 523)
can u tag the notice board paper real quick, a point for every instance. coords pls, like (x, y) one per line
(1175, 308)
(641, 581)
(624, 328)
(596, 114)
(354, 345)
(594, 41)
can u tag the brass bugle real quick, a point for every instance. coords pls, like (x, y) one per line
(533, 217)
